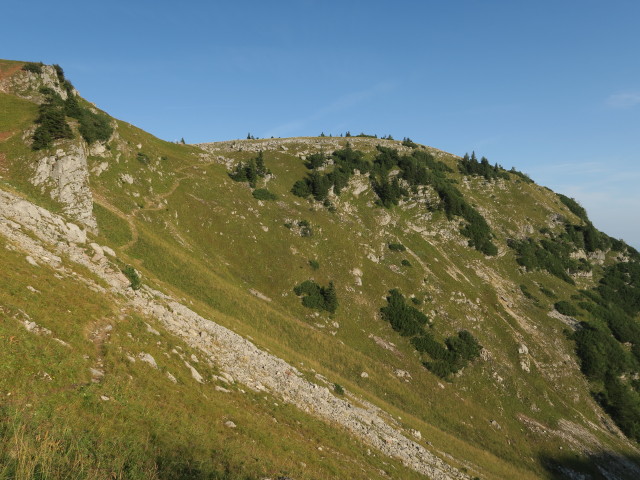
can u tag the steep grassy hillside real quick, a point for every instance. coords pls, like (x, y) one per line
(442, 245)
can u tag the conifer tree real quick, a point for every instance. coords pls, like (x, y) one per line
(330, 298)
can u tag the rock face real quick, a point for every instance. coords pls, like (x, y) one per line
(66, 176)
(26, 84)
(47, 226)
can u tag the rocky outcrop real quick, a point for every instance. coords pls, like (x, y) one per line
(27, 84)
(303, 146)
(18, 213)
(66, 176)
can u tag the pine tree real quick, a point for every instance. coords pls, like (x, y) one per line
(330, 298)
(261, 170)
(251, 173)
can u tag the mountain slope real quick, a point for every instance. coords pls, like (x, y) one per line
(522, 407)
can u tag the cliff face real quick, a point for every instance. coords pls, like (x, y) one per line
(65, 175)
(167, 277)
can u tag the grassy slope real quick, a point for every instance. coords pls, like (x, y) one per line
(56, 420)
(193, 231)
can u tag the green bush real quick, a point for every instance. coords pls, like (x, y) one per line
(338, 389)
(264, 194)
(52, 125)
(407, 142)
(301, 189)
(426, 343)
(405, 263)
(547, 292)
(33, 67)
(404, 319)
(464, 345)
(133, 277)
(620, 285)
(575, 208)
(305, 228)
(417, 168)
(470, 166)
(397, 247)
(317, 297)
(566, 308)
(142, 158)
(552, 255)
(448, 358)
(59, 72)
(250, 171)
(525, 291)
(346, 161)
(602, 343)
(94, 126)
(389, 192)
(459, 352)
(521, 175)
(623, 404)
(314, 264)
(315, 160)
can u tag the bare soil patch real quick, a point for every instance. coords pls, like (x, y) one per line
(5, 135)
(9, 71)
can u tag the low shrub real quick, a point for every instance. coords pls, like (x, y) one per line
(404, 319)
(317, 297)
(142, 158)
(33, 67)
(566, 308)
(133, 277)
(305, 228)
(263, 194)
(407, 142)
(250, 171)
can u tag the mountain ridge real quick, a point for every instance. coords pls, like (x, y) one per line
(175, 213)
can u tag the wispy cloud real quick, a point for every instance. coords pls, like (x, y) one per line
(340, 104)
(623, 100)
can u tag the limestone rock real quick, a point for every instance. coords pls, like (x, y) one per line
(147, 358)
(65, 174)
(126, 178)
(194, 373)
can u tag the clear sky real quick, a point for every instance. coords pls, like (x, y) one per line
(550, 87)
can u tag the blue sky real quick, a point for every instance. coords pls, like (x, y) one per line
(550, 87)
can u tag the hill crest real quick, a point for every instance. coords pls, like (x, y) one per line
(213, 233)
